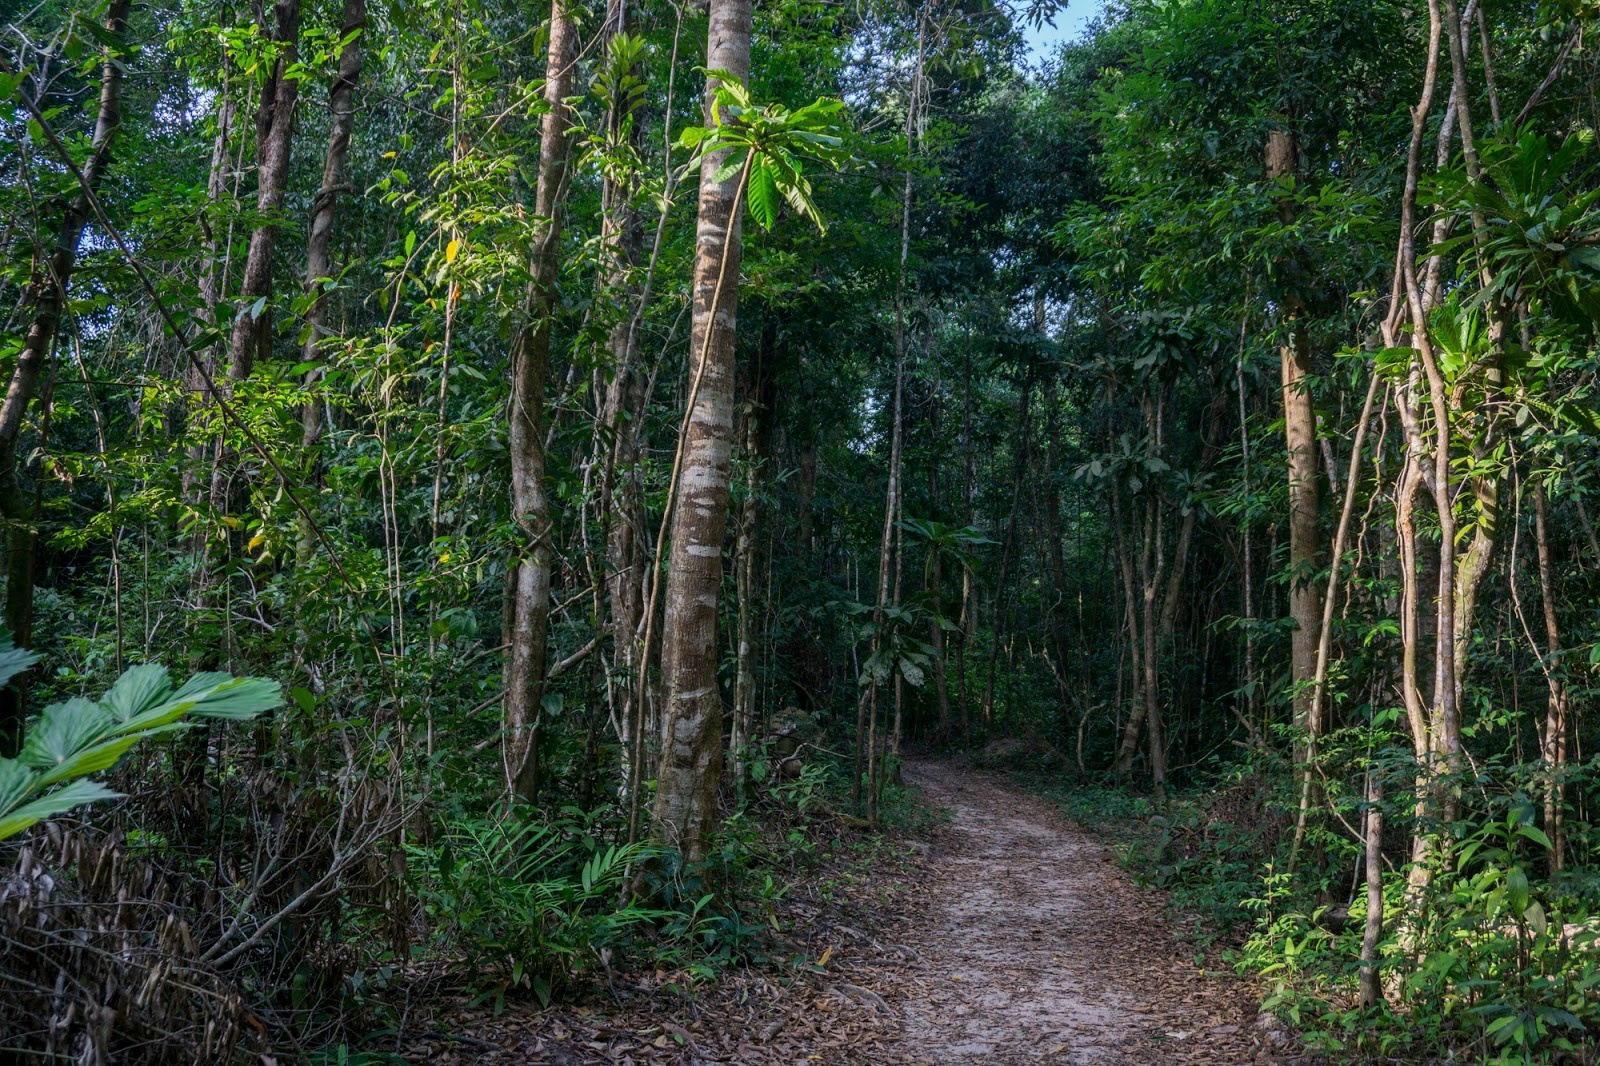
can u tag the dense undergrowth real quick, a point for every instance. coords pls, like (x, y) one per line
(1504, 966)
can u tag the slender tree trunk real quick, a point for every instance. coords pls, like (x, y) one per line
(319, 264)
(941, 684)
(744, 570)
(1052, 535)
(1151, 562)
(252, 325)
(1553, 742)
(1407, 299)
(1371, 991)
(1300, 431)
(1007, 550)
(691, 764)
(530, 363)
(621, 502)
(1247, 590)
(47, 297)
(1136, 645)
(1325, 629)
(968, 621)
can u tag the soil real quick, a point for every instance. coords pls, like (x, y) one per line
(1037, 948)
(1005, 936)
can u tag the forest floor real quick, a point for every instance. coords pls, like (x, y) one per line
(1002, 936)
(1038, 948)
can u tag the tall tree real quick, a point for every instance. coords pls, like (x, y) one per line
(252, 322)
(529, 586)
(691, 761)
(47, 300)
(319, 262)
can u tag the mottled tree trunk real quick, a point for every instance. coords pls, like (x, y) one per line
(530, 362)
(47, 296)
(252, 327)
(691, 763)
(744, 574)
(319, 264)
(1300, 433)
(622, 488)
(1372, 931)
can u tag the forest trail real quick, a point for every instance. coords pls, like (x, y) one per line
(1036, 948)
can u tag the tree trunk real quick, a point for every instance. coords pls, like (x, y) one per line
(530, 362)
(686, 797)
(47, 296)
(941, 684)
(968, 620)
(622, 512)
(1372, 933)
(319, 265)
(1136, 645)
(1052, 536)
(1300, 432)
(744, 571)
(1553, 741)
(1007, 550)
(252, 325)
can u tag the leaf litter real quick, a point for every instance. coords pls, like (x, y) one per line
(1004, 937)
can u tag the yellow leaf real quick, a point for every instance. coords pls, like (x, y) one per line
(230, 521)
(445, 558)
(827, 954)
(256, 542)
(452, 250)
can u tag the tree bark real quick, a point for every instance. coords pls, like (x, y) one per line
(685, 811)
(1553, 739)
(745, 551)
(319, 264)
(1372, 933)
(47, 296)
(252, 329)
(622, 490)
(530, 362)
(1300, 432)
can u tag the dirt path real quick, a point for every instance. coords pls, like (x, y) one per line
(1037, 948)
(1011, 939)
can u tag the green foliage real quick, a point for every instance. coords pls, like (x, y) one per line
(774, 141)
(530, 905)
(71, 740)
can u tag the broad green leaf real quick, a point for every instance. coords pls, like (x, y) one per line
(199, 685)
(243, 698)
(1535, 834)
(762, 193)
(137, 690)
(63, 730)
(13, 660)
(16, 781)
(1517, 893)
(57, 802)
(726, 171)
(211, 695)
(91, 760)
